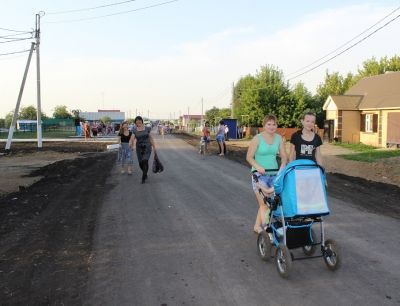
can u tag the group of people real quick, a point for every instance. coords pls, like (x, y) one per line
(220, 137)
(138, 138)
(87, 130)
(262, 156)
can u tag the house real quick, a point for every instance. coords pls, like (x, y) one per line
(369, 112)
(190, 122)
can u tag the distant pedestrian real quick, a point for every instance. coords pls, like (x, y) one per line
(144, 145)
(206, 136)
(125, 150)
(94, 129)
(86, 129)
(220, 137)
(226, 131)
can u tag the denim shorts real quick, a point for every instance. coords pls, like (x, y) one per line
(265, 180)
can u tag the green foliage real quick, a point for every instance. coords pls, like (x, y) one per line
(8, 119)
(3, 123)
(105, 119)
(61, 112)
(28, 113)
(214, 115)
(75, 113)
(371, 156)
(358, 147)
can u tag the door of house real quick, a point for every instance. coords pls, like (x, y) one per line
(329, 130)
(393, 129)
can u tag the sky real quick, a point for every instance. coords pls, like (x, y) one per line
(166, 60)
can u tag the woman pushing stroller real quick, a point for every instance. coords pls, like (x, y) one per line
(262, 156)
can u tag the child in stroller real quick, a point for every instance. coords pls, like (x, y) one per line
(297, 202)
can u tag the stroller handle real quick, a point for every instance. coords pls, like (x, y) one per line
(255, 177)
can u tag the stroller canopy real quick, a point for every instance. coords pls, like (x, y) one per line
(301, 186)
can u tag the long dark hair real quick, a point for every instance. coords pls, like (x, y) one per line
(138, 118)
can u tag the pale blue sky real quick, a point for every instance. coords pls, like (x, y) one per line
(165, 59)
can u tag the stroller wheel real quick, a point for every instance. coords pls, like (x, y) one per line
(309, 250)
(283, 260)
(331, 254)
(264, 246)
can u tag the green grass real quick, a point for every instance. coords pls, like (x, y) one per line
(46, 134)
(358, 147)
(372, 155)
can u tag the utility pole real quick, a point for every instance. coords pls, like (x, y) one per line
(39, 103)
(21, 90)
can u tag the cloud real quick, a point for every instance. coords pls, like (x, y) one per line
(204, 68)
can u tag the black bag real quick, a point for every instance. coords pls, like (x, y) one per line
(157, 165)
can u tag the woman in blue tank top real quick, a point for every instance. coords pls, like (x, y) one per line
(261, 155)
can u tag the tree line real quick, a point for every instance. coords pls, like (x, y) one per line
(267, 92)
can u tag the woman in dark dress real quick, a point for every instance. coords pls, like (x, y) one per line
(144, 145)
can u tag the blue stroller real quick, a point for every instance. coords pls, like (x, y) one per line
(299, 201)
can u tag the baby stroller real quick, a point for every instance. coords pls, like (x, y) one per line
(299, 202)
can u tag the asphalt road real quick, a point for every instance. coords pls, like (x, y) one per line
(185, 238)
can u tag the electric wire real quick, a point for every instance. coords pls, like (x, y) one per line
(345, 50)
(12, 35)
(345, 44)
(89, 8)
(114, 14)
(15, 52)
(333, 57)
(15, 40)
(11, 30)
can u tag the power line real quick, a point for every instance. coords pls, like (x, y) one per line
(16, 52)
(346, 43)
(114, 14)
(11, 30)
(340, 53)
(12, 35)
(89, 8)
(15, 40)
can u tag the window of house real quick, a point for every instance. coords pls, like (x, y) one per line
(368, 122)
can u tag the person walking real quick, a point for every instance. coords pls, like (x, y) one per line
(262, 157)
(144, 145)
(305, 143)
(220, 137)
(125, 150)
(206, 136)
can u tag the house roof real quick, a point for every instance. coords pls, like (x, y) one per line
(347, 102)
(379, 91)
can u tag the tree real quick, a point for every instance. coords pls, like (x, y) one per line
(75, 113)
(303, 101)
(8, 119)
(61, 112)
(105, 119)
(373, 67)
(3, 123)
(28, 113)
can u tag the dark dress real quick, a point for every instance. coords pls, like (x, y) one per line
(143, 144)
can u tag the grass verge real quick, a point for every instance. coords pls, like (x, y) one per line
(371, 156)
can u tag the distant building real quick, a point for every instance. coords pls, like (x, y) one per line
(190, 122)
(115, 115)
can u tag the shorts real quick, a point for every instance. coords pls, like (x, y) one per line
(265, 180)
(220, 138)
